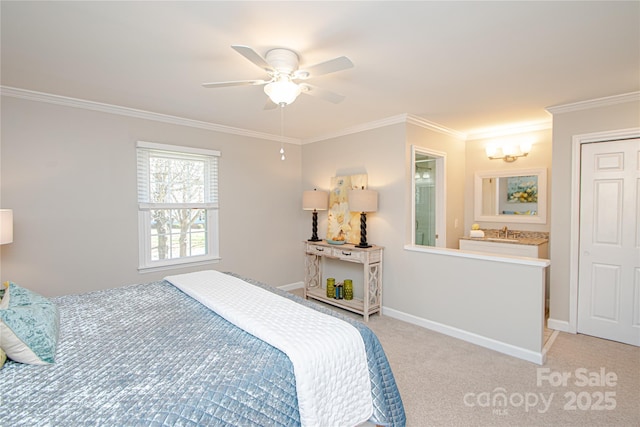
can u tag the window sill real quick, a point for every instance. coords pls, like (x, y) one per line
(173, 266)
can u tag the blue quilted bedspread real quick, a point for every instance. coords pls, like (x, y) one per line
(149, 355)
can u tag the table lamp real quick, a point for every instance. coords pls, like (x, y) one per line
(363, 201)
(316, 201)
(6, 226)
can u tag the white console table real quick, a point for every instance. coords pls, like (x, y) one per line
(371, 260)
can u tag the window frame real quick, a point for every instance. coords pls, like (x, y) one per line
(211, 206)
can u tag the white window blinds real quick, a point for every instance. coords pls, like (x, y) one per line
(176, 177)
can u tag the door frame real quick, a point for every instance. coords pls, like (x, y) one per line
(441, 194)
(574, 245)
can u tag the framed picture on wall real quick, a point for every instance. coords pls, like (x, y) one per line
(344, 225)
(522, 189)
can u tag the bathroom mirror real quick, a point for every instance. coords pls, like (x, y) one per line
(511, 196)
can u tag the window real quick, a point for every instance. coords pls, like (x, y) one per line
(177, 205)
(428, 197)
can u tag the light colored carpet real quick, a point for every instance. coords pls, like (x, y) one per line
(448, 382)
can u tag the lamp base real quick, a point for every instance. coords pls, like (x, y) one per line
(363, 232)
(314, 227)
(314, 239)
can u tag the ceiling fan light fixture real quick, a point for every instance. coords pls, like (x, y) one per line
(282, 68)
(282, 91)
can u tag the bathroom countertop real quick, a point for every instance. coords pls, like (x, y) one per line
(533, 241)
(532, 238)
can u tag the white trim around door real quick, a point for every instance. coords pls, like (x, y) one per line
(578, 140)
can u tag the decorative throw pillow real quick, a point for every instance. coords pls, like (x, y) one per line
(3, 358)
(28, 326)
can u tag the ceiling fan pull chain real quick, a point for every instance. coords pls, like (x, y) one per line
(282, 131)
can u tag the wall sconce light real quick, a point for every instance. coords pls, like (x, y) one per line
(363, 201)
(316, 201)
(508, 153)
(6, 226)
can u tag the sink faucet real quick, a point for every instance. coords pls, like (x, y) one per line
(505, 230)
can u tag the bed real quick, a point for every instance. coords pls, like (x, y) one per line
(151, 355)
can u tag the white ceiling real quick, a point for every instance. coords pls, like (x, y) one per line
(467, 66)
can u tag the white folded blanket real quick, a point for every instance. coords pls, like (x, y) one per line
(328, 355)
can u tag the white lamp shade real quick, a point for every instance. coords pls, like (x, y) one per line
(363, 200)
(282, 91)
(491, 151)
(315, 200)
(525, 147)
(510, 150)
(6, 226)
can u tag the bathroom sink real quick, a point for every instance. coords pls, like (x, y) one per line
(498, 239)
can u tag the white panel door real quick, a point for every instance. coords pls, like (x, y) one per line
(609, 270)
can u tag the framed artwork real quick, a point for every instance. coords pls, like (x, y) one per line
(522, 189)
(344, 225)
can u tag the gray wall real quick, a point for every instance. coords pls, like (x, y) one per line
(441, 290)
(477, 161)
(70, 176)
(565, 126)
(380, 153)
(385, 155)
(454, 148)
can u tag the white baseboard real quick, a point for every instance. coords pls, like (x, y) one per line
(558, 325)
(292, 286)
(499, 346)
(549, 343)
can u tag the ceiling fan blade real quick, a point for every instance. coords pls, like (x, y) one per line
(327, 95)
(253, 56)
(235, 83)
(330, 66)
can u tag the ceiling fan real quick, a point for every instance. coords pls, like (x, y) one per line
(282, 67)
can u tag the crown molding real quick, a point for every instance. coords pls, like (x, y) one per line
(398, 119)
(593, 103)
(135, 113)
(356, 129)
(393, 120)
(511, 130)
(424, 123)
(66, 101)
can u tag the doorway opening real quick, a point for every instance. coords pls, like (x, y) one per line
(428, 211)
